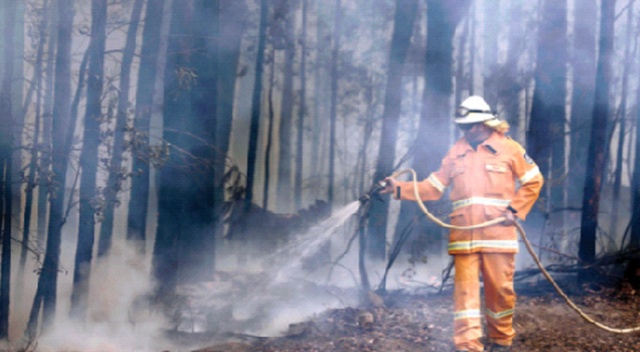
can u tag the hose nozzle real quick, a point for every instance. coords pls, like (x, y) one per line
(378, 186)
(375, 189)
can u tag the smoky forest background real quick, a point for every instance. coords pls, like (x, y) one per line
(150, 145)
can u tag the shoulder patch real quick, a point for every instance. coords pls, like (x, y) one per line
(527, 158)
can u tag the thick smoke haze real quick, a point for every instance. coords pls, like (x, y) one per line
(236, 268)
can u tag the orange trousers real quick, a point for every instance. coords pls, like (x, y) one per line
(497, 271)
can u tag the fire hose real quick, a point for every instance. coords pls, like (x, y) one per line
(523, 235)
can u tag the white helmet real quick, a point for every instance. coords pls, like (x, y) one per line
(473, 109)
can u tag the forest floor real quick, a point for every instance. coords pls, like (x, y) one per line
(421, 322)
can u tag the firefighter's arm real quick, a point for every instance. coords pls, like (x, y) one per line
(531, 182)
(431, 188)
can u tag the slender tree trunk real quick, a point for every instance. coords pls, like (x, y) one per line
(333, 112)
(44, 188)
(232, 19)
(116, 173)
(622, 118)
(471, 22)
(297, 188)
(255, 106)
(89, 162)
(6, 147)
(33, 163)
(284, 174)
(147, 75)
(321, 73)
(267, 151)
(402, 31)
(596, 152)
(17, 96)
(460, 77)
(511, 88)
(46, 292)
(490, 45)
(5, 281)
(584, 78)
(634, 241)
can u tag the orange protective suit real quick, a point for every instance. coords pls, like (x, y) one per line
(483, 186)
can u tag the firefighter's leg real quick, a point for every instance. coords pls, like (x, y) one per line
(500, 298)
(467, 316)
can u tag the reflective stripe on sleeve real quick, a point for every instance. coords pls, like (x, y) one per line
(469, 245)
(480, 200)
(467, 314)
(499, 315)
(529, 175)
(436, 183)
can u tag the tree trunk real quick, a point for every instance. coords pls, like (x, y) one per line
(333, 112)
(634, 241)
(436, 116)
(184, 245)
(35, 148)
(116, 173)
(284, 190)
(267, 151)
(6, 147)
(233, 18)
(18, 112)
(147, 76)
(255, 106)
(584, 78)
(596, 152)
(89, 162)
(402, 31)
(622, 119)
(490, 61)
(511, 85)
(545, 140)
(173, 186)
(321, 77)
(44, 188)
(297, 191)
(7, 209)
(46, 292)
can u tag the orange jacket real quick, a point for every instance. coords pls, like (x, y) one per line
(483, 185)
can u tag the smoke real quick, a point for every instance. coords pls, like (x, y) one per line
(119, 316)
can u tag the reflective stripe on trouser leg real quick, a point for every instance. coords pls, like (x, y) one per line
(467, 318)
(500, 297)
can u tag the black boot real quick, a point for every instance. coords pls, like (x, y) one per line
(499, 348)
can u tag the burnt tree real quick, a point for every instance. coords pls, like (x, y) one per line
(6, 147)
(89, 162)
(283, 38)
(184, 246)
(583, 61)
(46, 292)
(117, 174)
(545, 139)
(402, 31)
(436, 115)
(334, 86)
(597, 142)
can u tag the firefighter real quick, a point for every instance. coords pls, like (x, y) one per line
(490, 176)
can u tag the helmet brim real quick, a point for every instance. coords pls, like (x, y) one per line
(474, 117)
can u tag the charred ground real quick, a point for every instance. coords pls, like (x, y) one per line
(424, 322)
